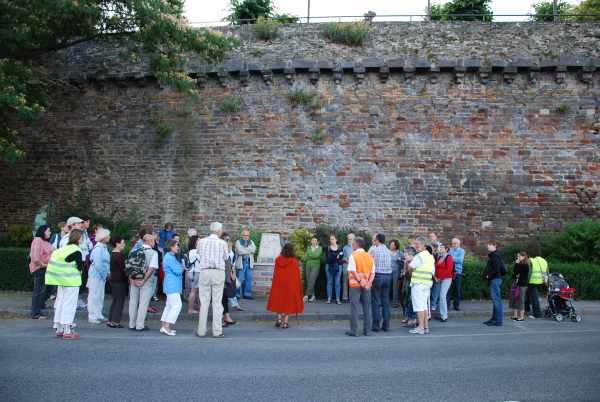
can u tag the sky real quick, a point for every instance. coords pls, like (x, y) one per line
(202, 11)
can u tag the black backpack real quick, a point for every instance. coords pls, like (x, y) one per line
(135, 265)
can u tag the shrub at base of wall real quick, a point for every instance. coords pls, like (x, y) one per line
(14, 275)
(14, 269)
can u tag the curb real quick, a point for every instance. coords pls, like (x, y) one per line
(267, 316)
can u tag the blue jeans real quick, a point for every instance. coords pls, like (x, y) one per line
(496, 295)
(245, 278)
(334, 275)
(435, 295)
(380, 297)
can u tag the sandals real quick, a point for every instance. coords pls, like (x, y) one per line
(278, 323)
(285, 325)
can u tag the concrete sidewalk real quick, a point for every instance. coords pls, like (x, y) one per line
(17, 304)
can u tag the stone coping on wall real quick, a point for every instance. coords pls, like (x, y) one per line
(584, 67)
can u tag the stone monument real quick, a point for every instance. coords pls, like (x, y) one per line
(270, 248)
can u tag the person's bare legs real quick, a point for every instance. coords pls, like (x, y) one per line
(192, 300)
(422, 316)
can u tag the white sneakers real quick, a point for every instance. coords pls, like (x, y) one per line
(305, 299)
(312, 298)
(418, 331)
(167, 332)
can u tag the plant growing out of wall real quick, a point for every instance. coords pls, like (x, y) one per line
(347, 33)
(164, 130)
(563, 108)
(302, 97)
(318, 136)
(231, 105)
(266, 29)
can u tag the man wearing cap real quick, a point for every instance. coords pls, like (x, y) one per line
(97, 275)
(72, 223)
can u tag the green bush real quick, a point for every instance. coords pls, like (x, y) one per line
(347, 33)
(300, 239)
(14, 269)
(583, 276)
(19, 235)
(266, 29)
(578, 241)
(121, 224)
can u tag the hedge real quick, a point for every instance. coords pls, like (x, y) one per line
(14, 275)
(14, 269)
(583, 276)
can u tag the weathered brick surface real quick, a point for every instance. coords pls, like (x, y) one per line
(476, 154)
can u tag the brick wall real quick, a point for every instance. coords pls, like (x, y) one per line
(476, 151)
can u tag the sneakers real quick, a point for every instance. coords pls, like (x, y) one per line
(305, 299)
(417, 331)
(312, 298)
(328, 302)
(531, 317)
(95, 321)
(71, 336)
(167, 332)
(338, 302)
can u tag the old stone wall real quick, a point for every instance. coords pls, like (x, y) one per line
(469, 147)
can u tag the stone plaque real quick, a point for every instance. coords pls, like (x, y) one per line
(270, 248)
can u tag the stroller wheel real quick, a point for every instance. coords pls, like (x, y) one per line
(559, 317)
(577, 318)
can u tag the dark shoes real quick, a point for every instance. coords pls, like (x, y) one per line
(443, 320)
(350, 333)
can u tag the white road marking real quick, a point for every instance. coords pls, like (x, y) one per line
(190, 336)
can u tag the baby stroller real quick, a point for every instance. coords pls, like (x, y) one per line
(560, 299)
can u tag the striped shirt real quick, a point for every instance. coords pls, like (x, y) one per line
(383, 259)
(212, 253)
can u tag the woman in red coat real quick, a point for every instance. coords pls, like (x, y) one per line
(286, 291)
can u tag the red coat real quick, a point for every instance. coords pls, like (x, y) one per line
(286, 290)
(444, 269)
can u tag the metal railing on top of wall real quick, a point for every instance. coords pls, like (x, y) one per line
(483, 18)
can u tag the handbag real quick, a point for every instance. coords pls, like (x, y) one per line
(515, 291)
(229, 290)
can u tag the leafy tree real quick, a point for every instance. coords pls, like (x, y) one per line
(248, 11)
(448, 12)
(588, 7)
(544, 10)
(31, 30)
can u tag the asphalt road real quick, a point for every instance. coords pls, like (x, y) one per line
(461, 360)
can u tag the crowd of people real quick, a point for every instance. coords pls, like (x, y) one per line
(422, 278)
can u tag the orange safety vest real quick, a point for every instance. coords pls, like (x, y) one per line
(364, 265)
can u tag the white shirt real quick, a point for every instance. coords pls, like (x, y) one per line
(352, 263)
(194, 260)
(416, 262)
(154, 259)
(212, 252)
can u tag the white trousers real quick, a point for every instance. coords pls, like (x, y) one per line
(95, 301)
(172, 308)
(210, 287)
(65, 305)
(420, 297)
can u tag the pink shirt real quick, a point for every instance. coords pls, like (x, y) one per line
(40, 254)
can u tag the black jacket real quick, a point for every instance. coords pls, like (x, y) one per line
(495, 267)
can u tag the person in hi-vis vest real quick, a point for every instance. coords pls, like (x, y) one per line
(422, 267)
(538, 274)
(64, 270)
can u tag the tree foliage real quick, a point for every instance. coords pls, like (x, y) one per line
(462, 10)
(250, 11)
(586, 11)
(32, 29)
